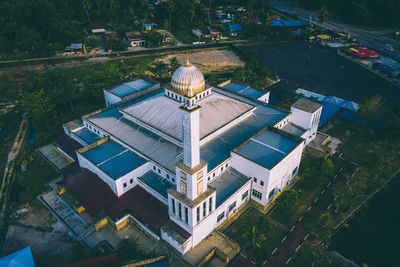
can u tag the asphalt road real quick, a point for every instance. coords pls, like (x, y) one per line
(322, 70)
(372, 39)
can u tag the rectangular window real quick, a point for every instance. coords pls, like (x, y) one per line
(186, 215)
(131, 181)
(124, 185)
(199, 175)
(154, 167)
(232, 206)
(221, 216)
(200, 188)
(245, 194)
(159, 171)
(180, 210)
(213, 174)
(183, 188)
(257, 194)
(204, 208)
(210, 205)
(167, 176)
(255, 180)
(226, 165)
(261, 183)
(173, 179)
(222, 168)
(294, 172)
(173, 206)
(183, 176)
(198, 214)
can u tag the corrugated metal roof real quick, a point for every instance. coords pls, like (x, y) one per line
(267, 148)
(227, 183)
(86, 135)
(130, 87)
(114, 159)
(306, 105)
(156, 182)
(167, 154)
(163, 113)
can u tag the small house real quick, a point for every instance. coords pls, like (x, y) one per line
(135, 39)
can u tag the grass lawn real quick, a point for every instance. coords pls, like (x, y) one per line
(185, 36)
(246, 221)
(304, 258)
(33, 180)
(306, 196)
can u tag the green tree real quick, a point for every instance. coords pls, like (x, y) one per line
(371, 108)
(287, 201)
(38, 105)
(86, 5)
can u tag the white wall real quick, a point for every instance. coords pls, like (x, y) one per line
(209, 223)
(110, 98)
(277, 177)
(115, 185)
(264, 98)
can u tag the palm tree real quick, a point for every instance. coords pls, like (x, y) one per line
(86, 5)
(371, 108)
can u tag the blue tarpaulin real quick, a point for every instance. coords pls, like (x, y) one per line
(31, 139)
(332, 104)
(20, 258)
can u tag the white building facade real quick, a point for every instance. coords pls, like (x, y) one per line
(213, 150)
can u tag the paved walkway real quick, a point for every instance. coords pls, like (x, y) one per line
(9, 169)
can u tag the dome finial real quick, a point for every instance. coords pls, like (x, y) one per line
(187, 64)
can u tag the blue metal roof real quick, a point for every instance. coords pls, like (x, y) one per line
(165, 153)
(252, 92)
(235, 27)
(227, 183)
(130, 87)
(276, 22)
(235, 87)
(294, 23)
(267, 148)
(244, 90)
(156, 182)
(103, 152)
(121, 164)
(114, 159)
(86, 135)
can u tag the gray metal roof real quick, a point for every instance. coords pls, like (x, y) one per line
(267, 148)
(156, 182)
(167, 154)
(306, 105)
(163, 113)
(227, 183)
(293, 129)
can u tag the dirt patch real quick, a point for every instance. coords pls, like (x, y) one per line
(48, 238)
(208, 61)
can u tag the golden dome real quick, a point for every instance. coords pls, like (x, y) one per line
(188, 80)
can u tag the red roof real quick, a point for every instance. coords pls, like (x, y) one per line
(102, 261)
(273, 17)
(96, 196)
(90, 191)
(144, 207)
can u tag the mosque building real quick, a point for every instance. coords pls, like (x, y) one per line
(180, 159)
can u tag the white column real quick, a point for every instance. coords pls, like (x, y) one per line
(191, 136)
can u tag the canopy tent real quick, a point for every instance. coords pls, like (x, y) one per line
(20, 258)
